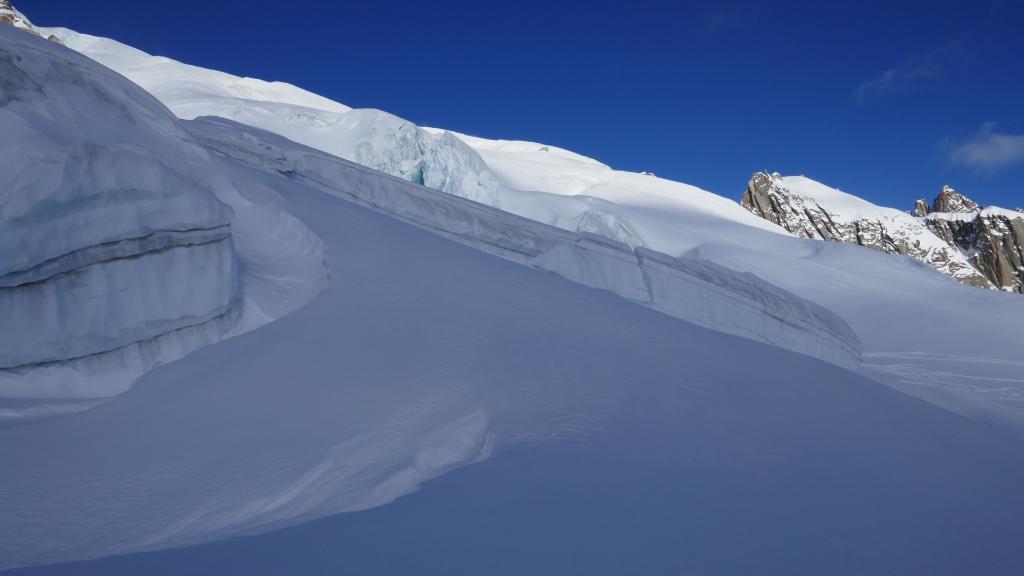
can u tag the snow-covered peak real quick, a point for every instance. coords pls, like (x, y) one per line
(949, 200)
(805, 191)
(813, 210)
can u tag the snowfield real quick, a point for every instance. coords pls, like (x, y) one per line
(424, 355)
(498, 357)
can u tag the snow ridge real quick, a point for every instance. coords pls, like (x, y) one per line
(689, 288)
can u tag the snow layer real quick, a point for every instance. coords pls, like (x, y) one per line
(971, 216)
(424, 355)
(108, 232)
(115, 251)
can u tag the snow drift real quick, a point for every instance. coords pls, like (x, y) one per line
(109, 233)
(123, 242)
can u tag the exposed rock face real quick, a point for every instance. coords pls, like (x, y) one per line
(949, 200)
(978, 246)
(992, 238)
(812, 210)
(920, 209)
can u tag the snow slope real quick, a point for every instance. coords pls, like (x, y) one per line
(117, 249)
(964, 354)
(691, 289)
(424, 355)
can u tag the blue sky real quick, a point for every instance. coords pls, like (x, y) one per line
(887, 100)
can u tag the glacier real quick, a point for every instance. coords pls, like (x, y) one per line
(618, 367)
(110, 234)
(691, 289)
(900, 334)
(123, 243)
(426, 359)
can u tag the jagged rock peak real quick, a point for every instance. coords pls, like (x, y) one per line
(812, 210)
(949, 200)
(920, 209)
(12, 17)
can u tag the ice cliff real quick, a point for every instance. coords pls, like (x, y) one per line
(109, 236)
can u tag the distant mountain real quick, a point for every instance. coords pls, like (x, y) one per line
(979, 246)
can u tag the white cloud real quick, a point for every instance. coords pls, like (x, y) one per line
(989, 149)
(915, 73)
(905, 77)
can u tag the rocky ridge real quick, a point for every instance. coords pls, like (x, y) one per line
(977, 245)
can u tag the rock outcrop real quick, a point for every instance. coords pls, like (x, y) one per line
(976, 245)
(812, 210)
(992, 238)
(10, 16)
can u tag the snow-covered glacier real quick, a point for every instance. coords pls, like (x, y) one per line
(403, 349)
(887, 300)
(117, 247)
(689, 288)
(109, 234)
(423, 356)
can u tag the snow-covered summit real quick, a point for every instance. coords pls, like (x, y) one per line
(981, 246)
(949, 200)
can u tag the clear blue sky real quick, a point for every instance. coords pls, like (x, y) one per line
(885, 101)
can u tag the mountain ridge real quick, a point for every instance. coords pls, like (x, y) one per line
(974, 244)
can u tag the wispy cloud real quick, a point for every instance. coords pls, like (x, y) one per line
(989, 149)
(905, 77)
(912, 74)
